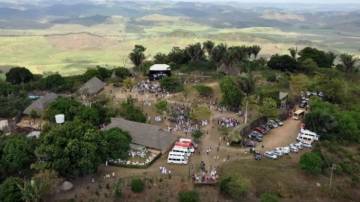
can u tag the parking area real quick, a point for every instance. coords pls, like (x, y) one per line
(281, 136)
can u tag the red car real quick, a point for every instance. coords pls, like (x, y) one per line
(260, 130)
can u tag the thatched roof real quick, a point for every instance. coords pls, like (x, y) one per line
(41, 104)
(147, 135)
(92, 87)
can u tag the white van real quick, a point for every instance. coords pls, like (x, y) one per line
(172, 153)
(177, 159)
(183, 150)
(310, 133)
(305, 138)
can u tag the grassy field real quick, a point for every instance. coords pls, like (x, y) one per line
(70, 49)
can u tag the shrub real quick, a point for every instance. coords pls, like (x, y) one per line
(161, 106)
(122, 72)
(269, 197)
(131, 112)
(204, 91)
(197, 134)
(137, 185)
(311, 162)
(235, 186)
(189, 196)
(171, 84)
(118, 189)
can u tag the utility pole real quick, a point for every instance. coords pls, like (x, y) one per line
(333, 167)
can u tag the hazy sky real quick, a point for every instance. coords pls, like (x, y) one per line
(245, 1)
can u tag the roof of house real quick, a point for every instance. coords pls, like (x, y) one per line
(93, 86)
(147, 135)
(41, 104)
(160, 67)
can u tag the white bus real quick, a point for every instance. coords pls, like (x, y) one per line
(173, 153)
(177, 159)
(305, 138)
(183, 150)
(310, 133)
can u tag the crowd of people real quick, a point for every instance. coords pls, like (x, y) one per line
(180, 116)
(148, 86)
(226, 122)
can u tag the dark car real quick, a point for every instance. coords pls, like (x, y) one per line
(250, 143)
(257, 156)
(303, 105)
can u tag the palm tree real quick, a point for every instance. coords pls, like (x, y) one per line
(255, 50)
(208, 46)
(217, 53)
(348, 62)
(137, 56)
(195, 52)
(293, 52)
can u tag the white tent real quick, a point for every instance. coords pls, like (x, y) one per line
(160, 67)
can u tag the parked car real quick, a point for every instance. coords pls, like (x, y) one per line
(256, 136)
(286, 150)
(257, 156)
(306, 145)
(293, 148)
(260, 130)
(280, 123)
(265, 127)
(299, 145)
(250, 143)
(273, 123)
(278, 151)
(270, 155)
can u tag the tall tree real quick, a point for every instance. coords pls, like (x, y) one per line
(218, 53)
(19, 75)
(282, 62)
(348, 62)
(10, 191)
(195, 52)
(118, 143)
(231, 93)
(293, 52)
(256, 50)
(137, 56)
(209, 45)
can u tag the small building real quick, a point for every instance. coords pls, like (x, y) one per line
(283, 97)
(158, 71)
(40, 104)
(92, 87)
(150, 136)
(4, 125)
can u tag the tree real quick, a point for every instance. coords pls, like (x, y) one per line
(308, 66)
(234, 186)
(218, 53)
(195, 52)
(161, 106)
(298, 83)
(118, 189)
(54, 82)
(16, 154)
(311, 162)
(178, 56)
(161, 58)
(101, 73)
(204, 91)
(19, 75)
(246, 83)
(201, 112)
(122, 72)
(255, 49)
(130, 112)
(293, 53)
(72, 149)
(137, 56)
(348, 62)
(269, 108)
(323, 59)
(137, 185)
(208, 46)
(10, 191)
(189, 196)
(62, 105)
(231, 93)
(118, 143)
(171, 84)
(269, 197)
(283, 63)
(197, 134)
